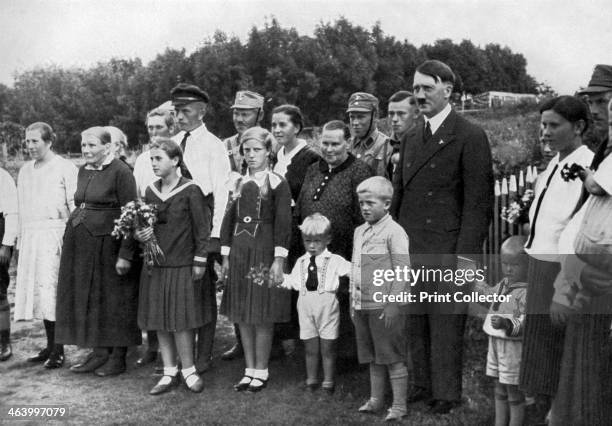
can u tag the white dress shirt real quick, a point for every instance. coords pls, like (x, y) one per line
(557, 205)
(436, 121)
(143, 172)
(284, 159)
(206, 158)
(330, 267)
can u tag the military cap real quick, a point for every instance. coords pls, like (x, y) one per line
(601, 80)
(245, 99)
(362, 102)
(186, 93)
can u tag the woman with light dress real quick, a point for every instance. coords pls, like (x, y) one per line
(45, 187)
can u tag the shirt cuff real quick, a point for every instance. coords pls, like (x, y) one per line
(280, 251)
(225, 251)
(199, 261)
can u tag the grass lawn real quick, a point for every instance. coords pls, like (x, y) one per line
(125, 400)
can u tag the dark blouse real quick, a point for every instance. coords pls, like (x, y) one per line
(183, 222)
(333, 194)
(296, 171)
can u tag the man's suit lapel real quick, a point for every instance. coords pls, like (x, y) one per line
(418, 154)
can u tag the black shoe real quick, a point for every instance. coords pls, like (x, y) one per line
(197, 386)
(242, 386)
(420, 394)
(202, 365)
(233, 353)
(311, 387)
(257, 386)
(92, 362)
(160, 388)
(329, 390)
(56, 360)
(6, 351)
(148, 358)
(442, 406)
(113, 367)
(41, 357)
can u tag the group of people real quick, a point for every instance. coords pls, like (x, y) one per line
(295, 232)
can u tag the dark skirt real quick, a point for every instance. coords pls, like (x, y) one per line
(584, 396)
(244, 299)
(169, 300)
(95, 306)
(542, 343)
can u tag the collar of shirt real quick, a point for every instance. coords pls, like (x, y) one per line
(367, 142)
(198, 131)
(109, 158)
(436, 121)
(375, 227)
(319, 258)
(284, 159)
(324, 167)
(260, 178)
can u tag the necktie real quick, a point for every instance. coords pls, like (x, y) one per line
(538, 205)
(312, 282)
(427, 132)
(184, 141)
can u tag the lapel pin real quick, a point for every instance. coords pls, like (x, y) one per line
(441, 142)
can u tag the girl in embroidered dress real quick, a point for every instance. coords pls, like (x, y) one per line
(171, 292)
(254, 242)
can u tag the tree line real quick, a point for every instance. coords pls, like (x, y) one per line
(317, 73)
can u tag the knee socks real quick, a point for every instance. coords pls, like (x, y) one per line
(398, 376)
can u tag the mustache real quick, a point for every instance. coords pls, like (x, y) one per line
(421, 101)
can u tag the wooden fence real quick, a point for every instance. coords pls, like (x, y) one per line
(507, 190)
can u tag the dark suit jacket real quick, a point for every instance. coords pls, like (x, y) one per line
(443, 190)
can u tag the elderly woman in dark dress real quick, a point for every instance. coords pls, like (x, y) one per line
(330, 189)
(97, 294)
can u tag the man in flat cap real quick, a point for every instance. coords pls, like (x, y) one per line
(443, 198)
(247, 112)
(402, 114)
(205, 157)
(599, 93)
(367, 143)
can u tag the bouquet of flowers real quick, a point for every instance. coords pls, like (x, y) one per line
(518, 210)
(136, 215)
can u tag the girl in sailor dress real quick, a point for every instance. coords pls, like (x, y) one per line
(170, 298)
(254, 241)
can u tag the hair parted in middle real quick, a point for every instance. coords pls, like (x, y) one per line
(262, 136)
(172, 150)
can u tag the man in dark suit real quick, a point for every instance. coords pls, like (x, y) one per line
(443, 197)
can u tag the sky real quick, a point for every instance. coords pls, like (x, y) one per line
(562, 40)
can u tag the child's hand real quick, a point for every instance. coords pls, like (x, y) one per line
(276, 272)
(390, 314)
(559, 314)
(123, 266)
(197, 272)
(498, 322)
(143, 235)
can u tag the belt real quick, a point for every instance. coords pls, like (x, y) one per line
(94, 206)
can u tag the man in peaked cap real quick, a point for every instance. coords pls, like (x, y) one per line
(247, 112)
(206, 159)
(367, 143)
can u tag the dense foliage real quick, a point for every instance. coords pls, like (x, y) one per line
(317, 72)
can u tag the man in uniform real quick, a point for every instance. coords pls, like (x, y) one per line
(402, 114)
(367, 143)
(247, 112)
(206, 159)
(443, 197)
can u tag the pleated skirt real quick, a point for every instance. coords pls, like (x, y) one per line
(542, 343)
(169, 300)
(584, 396)
(248, 298)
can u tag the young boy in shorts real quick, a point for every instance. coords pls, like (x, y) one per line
(315, 275)
(380, 244)
(504, 325)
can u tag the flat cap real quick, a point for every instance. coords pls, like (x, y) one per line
(362, 102)
(601, 80)
(184, 93)
(246, 99)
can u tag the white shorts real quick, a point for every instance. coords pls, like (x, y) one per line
(319, 315)
(504, 360)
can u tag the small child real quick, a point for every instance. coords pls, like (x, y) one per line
(504, 325)
(380, 244)
(315, 275)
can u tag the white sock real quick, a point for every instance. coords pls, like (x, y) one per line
(171, 371)
(261, 375)
(190, 376)
(248, 372)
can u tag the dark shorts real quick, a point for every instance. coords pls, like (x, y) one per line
(375, 342)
